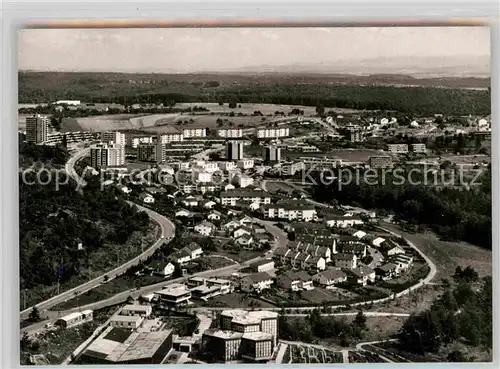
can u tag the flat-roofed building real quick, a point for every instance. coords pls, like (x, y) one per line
(137, 310)
(105, 155)
(247, 335)
(37, 127)
(419, 148)
(126, 321)
(264, 133)
(124, 346)
(115, 137)
(398, 148)
(194, 132)
(75, 319)
(173, 295)
(234, 150)
(230, 132)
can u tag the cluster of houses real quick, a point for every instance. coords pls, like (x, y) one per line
(239, 228)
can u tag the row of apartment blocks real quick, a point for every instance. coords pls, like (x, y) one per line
(405, 148)
(262, 133)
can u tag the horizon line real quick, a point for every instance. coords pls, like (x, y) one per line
(251, 23)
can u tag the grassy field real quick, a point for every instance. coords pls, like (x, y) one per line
(106, 290)
(237, 300)
(274, 187)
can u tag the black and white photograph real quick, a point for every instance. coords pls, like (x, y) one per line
(243, 194)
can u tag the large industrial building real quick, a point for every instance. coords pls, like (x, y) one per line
(243, 335)
(37, 128)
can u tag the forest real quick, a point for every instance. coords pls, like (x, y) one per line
(461, 313)
(237, 89)
(60, 229)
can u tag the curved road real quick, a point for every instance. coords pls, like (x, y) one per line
(167, 232)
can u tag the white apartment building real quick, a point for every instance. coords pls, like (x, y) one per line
(231, 197)
(227, 165)
(114, 138)
(245, 164)
(105, 155)
(290, 210)
(37, 128)
(230, 133)
(136, 141)
(398, 148)
(272, 132)
(171, 137)
(194, 132)
(418, 148)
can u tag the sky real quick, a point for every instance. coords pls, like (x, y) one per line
(190, 50)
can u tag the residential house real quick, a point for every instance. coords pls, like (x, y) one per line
(254, 206)
(290, 257)
(345, 260)
(378, 241)
(403, 262)
(362, 275)
(342, 240)
(359, 249)
(395, 250)
(183, 213)
(262, 266)
(315, 263)
(209, 204)
(190, 201)
(343, 221)
(324, 252)
(329, 242)
(241, 231)
(295, 281)
(245, 220)
(181, 257)
(214, 215)
(205, 228)
(167, 270)
(146, 198)
(263, 238)
(386, 271)
(280, 254)
(232, 224)
(330, 277)
(256, 282)
(194, 249)
(245, 240)
(300, 260)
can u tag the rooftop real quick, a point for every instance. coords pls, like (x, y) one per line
(175, 289)
(223, 334)
(257, 336)
(133, 346)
